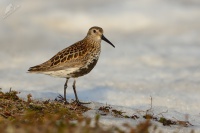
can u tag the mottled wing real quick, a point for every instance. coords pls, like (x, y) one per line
(70, 57)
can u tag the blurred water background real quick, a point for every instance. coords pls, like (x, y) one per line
(157, 50)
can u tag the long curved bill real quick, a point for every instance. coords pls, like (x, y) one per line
(105, 39)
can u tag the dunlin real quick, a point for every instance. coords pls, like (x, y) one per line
(74, 61)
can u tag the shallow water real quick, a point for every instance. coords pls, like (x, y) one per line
(157, 50)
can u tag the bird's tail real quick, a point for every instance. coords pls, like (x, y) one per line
(34, 69)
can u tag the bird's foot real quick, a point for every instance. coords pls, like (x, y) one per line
(80, 103)
(61, 99)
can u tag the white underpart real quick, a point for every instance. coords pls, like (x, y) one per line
(62, 73)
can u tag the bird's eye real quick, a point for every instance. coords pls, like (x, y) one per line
(94, 31)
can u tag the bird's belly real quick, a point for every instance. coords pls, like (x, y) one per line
(85, 69)
(62, 73)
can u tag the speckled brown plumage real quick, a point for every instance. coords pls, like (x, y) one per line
(76, 60)
(77, 55)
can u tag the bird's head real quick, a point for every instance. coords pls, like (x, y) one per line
(96, 33)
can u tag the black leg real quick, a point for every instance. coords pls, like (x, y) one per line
(65, 87)
(74, 88)
(76, 96)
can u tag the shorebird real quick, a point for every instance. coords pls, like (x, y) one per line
(74, 61)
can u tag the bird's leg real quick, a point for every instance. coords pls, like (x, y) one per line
(74, 88)
(77, 100)
(65, 87)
